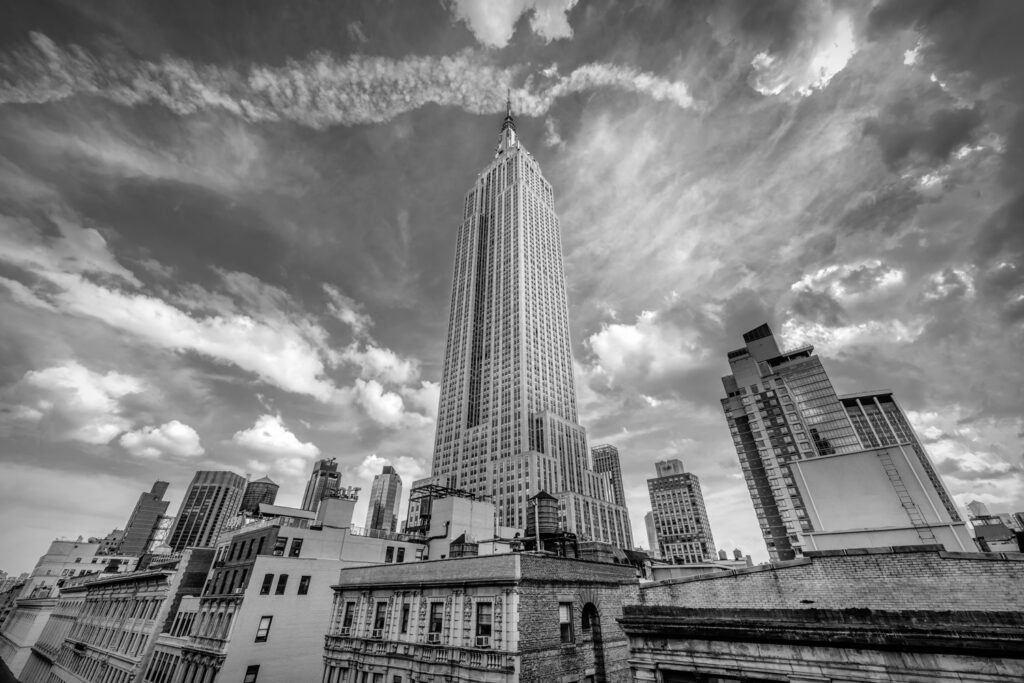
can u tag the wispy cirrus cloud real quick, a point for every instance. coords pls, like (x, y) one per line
(318, 91)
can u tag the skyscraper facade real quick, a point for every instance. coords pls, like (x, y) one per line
(606, 459)
(139, 532)
(681, 523)
(782, 410)
(507, 421)
(652, 534)
(262, 490)
(211, 499)
(385, 496)
(323, 483)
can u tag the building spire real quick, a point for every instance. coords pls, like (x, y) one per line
(509, 121)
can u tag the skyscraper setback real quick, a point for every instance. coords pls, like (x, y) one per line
(857, 455)
(507, 421)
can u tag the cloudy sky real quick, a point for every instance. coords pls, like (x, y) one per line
(227, 230)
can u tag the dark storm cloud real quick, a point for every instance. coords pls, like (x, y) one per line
(977, 41)
(902, 136)
(817, 307)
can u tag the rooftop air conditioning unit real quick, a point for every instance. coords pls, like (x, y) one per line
(483, 641)
(434, 638)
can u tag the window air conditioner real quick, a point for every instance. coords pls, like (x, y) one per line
(483, 641)
(433, 637)
(344, 630)
(377, 633)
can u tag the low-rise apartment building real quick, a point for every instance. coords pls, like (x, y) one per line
(109, 622)
(491, 618)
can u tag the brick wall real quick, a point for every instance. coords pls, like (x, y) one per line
(884, 579)
(549, 581)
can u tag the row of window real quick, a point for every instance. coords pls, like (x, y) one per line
(282, 584)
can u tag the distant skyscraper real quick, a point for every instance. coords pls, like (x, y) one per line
(680, 520)
(385, 497)
(652, 533)
(977, 509)
(260, 491)
(141, 525)
(211, 499)
(784, 415)
(323, 483)
(606, 459)
(507, 423)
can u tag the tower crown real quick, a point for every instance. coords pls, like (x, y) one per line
(507, 137)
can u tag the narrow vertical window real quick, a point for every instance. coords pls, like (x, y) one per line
(296, 547)
(251, 672)
(346, 622)
(268, 581)
(304, 585)
(565, 621)
(282, 582)
(436, 622)
(484, 615)
(378, 619)
(264, 629)
(405, 618)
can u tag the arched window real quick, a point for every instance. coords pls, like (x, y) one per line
(588, 618)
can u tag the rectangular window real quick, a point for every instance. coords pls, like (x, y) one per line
(251, 672)
(400, 555)
(282, 582)
(264, 629)
(405, 618)
(436, 617)
(296, 547)
(484, 612)
(303, 585)
(279, 545)
(389, 554)
(259, 546)
(346, 622)
(378, 619)
(565, 621)
(268, 581)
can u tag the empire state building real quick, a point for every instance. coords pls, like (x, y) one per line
(507, 422)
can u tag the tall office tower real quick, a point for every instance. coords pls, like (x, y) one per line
(323, 483)
(680, 520)
(789, 428)
(507, 423)
(260, 491)
(652, 533)
(142, 524)
(606, 459)
(211, 499)
(385, 496)
(977, 509)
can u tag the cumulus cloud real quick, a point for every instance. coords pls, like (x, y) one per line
(171, 438)
(648, 348)
(850, 281)
(270, 436)
(318, 91)
(70, 401)
(384, 407)
(381, 364)
(494, 22)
